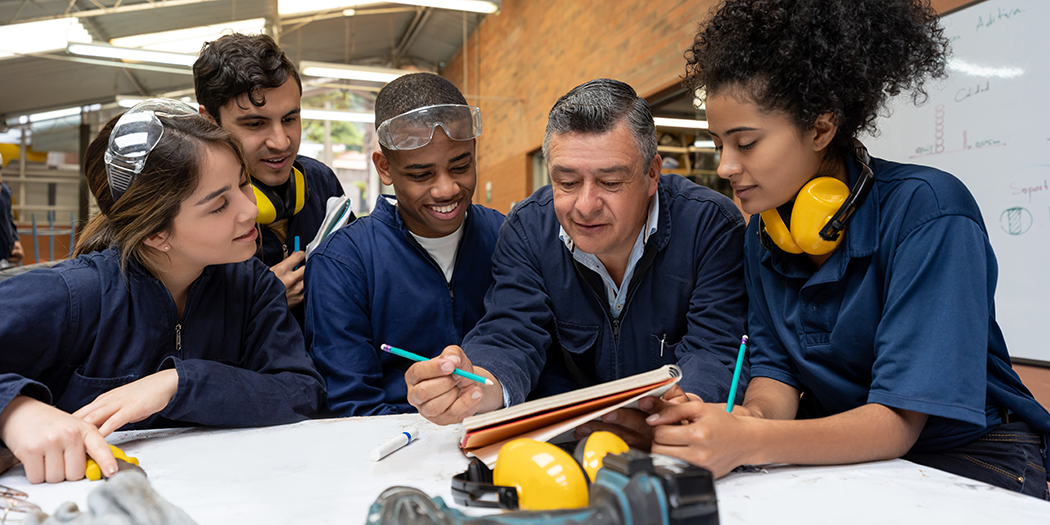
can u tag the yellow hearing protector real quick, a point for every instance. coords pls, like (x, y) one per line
(533, 475)
(280, 202)
(820, 213)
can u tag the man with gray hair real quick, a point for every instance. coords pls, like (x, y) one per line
(613, 270)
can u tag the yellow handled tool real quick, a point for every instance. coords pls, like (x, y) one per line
(94, 472)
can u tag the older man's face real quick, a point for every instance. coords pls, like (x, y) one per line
(601, 189)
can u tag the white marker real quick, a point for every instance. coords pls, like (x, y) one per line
(389, 447)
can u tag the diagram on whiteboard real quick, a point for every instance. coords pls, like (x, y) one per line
(1016, 221)
(988, 124)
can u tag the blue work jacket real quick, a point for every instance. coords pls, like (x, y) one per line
(902, 314)
(371, 283)
(322, 184)
(686, 303)
(81, 328)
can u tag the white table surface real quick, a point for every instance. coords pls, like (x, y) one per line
(319, 472)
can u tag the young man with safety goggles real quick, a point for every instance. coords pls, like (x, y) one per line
(413, 273)
(246, 84)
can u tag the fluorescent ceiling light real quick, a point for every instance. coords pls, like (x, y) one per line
(345, 116)
(680, 123)
(137, 55)
(349, 72)
(295, 7)
(59, 113)
(189, 40)
(40, 37)
(706, 144)
(474, 6)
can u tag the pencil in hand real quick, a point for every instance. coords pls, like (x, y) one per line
(416, 357)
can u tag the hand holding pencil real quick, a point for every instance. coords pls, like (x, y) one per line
(444, 396)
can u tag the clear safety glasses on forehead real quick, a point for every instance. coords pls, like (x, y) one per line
(134, 136)
(415, 129)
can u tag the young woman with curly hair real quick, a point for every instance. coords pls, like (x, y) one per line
(878, 339)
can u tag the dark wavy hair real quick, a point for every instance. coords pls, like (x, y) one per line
(805, 58)
(237, 63)
(169, 176)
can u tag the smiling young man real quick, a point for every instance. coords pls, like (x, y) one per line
(413, 273)
(614, 269)
(246, 84)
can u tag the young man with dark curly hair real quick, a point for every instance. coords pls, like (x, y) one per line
(246, 84)
(413, 273)
(872, 318)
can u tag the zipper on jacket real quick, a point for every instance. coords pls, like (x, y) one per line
(178, 339)
(616, 332)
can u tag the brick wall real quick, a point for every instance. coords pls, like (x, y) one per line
(534, 51)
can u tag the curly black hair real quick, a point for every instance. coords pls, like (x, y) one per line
(806, 58)
(236, 63)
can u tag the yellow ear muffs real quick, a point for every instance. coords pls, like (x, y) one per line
(814, 206)
(545, 476)
(591, 451)
(283, 202)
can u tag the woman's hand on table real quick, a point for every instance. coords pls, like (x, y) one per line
(52, 445)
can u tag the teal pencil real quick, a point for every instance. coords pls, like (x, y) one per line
(416, 357)
(736, 373)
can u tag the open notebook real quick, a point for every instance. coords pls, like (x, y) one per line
(550, 417)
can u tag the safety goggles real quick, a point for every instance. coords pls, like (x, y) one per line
(134, 136)
(415, 128)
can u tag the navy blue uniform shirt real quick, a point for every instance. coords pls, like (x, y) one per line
(902, 314)
(371, 283)
(686, 303)
(81, 328)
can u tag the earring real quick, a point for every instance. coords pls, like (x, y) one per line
(166, 248)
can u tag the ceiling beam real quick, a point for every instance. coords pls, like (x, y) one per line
(117, 9)
(414, 28)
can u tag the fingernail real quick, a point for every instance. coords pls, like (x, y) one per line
(586, 431)
(447, 367)
(652, 418)
(454, 359)
(475, 395)
(646, 403)
(111, 471)
(611, 416)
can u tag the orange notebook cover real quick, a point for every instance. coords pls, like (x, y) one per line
(549, 417)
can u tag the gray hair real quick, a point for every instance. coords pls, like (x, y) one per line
(597, 107)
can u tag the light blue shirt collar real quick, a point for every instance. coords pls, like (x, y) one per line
(617, 295)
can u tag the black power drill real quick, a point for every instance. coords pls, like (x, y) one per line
(628, 489)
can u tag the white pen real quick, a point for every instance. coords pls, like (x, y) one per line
(389, 447)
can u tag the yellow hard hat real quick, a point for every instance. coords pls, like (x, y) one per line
(545, 476)
(591, 451)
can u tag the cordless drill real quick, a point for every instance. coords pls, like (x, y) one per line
(628, 489)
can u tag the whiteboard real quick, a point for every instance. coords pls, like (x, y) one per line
(989, 125)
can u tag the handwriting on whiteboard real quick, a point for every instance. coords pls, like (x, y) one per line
(1029, 190)
(1001, 15)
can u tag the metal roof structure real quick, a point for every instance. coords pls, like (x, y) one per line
(376, 34)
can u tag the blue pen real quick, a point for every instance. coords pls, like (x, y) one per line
(296, 249)
(416, 357)
(736, 373)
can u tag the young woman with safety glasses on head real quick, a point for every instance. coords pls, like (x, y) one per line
(164, 318)
(872, 335)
